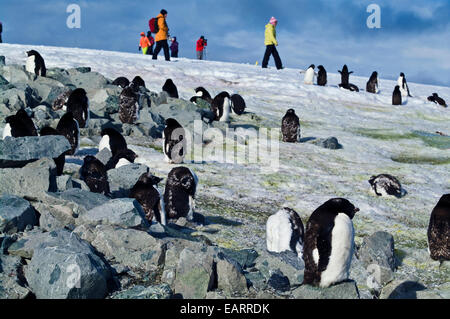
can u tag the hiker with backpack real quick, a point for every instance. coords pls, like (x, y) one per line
(144, 43)
(152, 42)
(174, 48)
(271, 42)
(201, 44)
(161, 29)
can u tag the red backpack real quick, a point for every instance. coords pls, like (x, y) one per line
(153, 25)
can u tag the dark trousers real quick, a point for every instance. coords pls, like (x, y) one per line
(1, 41)
(174, 54)
(272, 50)
(161, 45)
(150, 50)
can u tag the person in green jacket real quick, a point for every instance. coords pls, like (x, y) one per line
(271, 43)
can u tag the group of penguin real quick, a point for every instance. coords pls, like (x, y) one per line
(401, 90)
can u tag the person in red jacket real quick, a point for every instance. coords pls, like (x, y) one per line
(152, 42)
(201, 44)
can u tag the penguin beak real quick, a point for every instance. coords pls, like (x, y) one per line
(356, 210)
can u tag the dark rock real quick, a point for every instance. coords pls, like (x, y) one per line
(330, 143)
(279, 282)
(15, 214)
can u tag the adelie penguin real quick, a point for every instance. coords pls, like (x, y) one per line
(285, 231)
(386, 185)
(397, 96)
(121, 81)
(174, 137)
(146, 192)
(68, 127)
(19, 125)
(112, 140)
(290, 127)
(345, 84)
(372, 84)
(78, 105)
(137, 83)
(238, 104)
(438, 100)
(35, 63)
(93, 172)
(121, 158)
(170, 88)
(322, 76)
(128, 106)
(60, 160)
(221, 107)
(179, 195)
(439, 230)
(201, 93)
(329, 243)
(309, 75)
(401, 82)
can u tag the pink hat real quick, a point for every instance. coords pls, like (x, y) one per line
(273, 20)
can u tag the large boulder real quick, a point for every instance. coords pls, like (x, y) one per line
(16, 98)
(230, 278)
(59, 75)
(33, 180)
(122, 179)
(15, 214)
(184, 111)
(16, 74)
(89, 81)
(65, 267)
(105, 101)
(12, 285)
(17, 152)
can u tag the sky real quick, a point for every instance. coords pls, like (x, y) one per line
(414, 37)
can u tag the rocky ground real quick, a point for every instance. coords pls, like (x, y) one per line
(58, 240)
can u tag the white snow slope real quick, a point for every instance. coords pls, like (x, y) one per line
(376, 137)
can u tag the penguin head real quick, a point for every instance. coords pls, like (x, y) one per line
(31, 52)
(435, 95)
(138, 82)
(128, 154)
(130, 91)
(320, 67)
(201, 91)
(171, 122)
(374, 74)
(342, 205)
(312, 66)
(290, 111)
(149, 179)
(402, 74)
(397, 88)
(183, 177)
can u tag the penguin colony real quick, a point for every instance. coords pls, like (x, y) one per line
(327, 243)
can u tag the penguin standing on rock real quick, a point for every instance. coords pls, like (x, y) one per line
(174, 146)
(78, 104)
(179, 195)
(93, 172)
(322, 76)
(201, 93)
(290, 127)
(19, 125)
(285, 231)
(170, 88)
(121, 158)
(60, 160)
(386, 185)
(238, 104)
(128, 106)
(68, 127)
(112, 140)
(145, 191)
(309, 75)
(221, 107)
(397, 96)
(439, 230)
(35, 63)
(372, 84)
(329, 243)
(122, 81)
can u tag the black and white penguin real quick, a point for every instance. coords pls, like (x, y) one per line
(201, 93)
(93, 172)
(128, 106)
(179, 195)
(19, 125)
(438, 100)
(401, 82)
(285, 231)
(386, 185)
(68, 127)
(397, 96)
(121, 81)
(60, 160)
(221, 107)
(61, 101)
(439, 230)
(174, 137)
(329, 243)
(290, 127)
(309, 75)
(35, 63)
(238, 104)
(372, 84)
(322, 76)
(137, 83)
(112, 140)
(121, 158)
(345, 84)
(78, 105)
(146, 192)
(170, 88)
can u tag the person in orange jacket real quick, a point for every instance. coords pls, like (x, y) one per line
(144, 43)
(161, 36)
